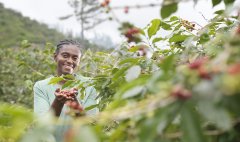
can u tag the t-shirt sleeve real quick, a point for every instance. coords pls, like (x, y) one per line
(41, 100)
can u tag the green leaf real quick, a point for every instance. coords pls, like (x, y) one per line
(25, 44)
(216, 2)
(166, 26)
(215, 114)
(167, 63)
(155, 25)
(168, 9)
(14, 121)
(137, 82)
(133, 73)
(178, 38)
(119, 73)
(174, 18)
(21, 63)
(227, 2)
(148, 130)
(114, 70)
(191, 125)
(177, 27)
(69, 76)
(133, 49)
(167, 115)
(55, 80)
(115, 104)
(157, 39)
(67, 84)
(129, 60)
(133, 92)
(142, 32)
(90, 107)
(204, 38)
(219, 12)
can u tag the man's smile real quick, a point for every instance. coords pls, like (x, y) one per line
(69, 67)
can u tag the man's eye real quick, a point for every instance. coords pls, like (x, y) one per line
(75, 58)
(65, 56)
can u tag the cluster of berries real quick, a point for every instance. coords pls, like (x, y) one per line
(132, 34)
(199, 66)
(180, 92)
(69, 98)
(66, 94)
(105, 3)
(188, 25)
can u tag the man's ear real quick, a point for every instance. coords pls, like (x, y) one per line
(55, 57)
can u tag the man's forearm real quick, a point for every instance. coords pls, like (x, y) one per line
(57, 107)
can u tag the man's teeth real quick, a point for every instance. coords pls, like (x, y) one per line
(69, 66)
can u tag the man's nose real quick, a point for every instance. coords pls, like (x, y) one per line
(69, 60)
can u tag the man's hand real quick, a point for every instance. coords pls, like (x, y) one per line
(66, 95)
(63, 96)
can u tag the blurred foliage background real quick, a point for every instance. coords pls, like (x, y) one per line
(180, 86)
(23, 63)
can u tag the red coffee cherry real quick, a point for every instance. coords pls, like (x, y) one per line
(203, 73)
(126, 9)
(105, 3)
(181, 93)
(131, 33)
(74, 105)
(234, 69)
(238, 30)
(197, 63)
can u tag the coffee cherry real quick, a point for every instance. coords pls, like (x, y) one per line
(195, 65)
(105, 3)
(203, 73)
(131, 33)
(234, 69)
(181, 93)
(75, 106)
(142, 51)
(126, 9)
(238, 30)
(198, 63)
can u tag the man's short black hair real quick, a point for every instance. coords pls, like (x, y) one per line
(67, 42)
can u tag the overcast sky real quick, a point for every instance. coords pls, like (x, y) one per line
(49, 11)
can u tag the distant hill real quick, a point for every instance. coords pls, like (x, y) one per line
(14, 28)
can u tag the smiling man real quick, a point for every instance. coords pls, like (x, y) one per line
(50, 97)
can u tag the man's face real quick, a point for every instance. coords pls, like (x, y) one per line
(67, 59)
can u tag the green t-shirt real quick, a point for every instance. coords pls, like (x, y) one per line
(44, 96)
